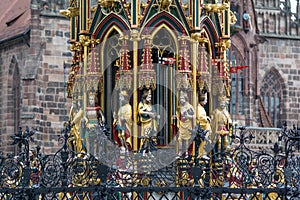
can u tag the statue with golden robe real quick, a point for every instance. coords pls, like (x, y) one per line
(204, 121)
(147, 118)
(222, 125)
(185, 116)
(76, 117)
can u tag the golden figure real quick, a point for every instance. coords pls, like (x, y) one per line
(232, 17)
(185, 117)
(123, 122)
(76, 116)
(222, 125)
(95, 117)
(204, 121)
(164, 4)
(147, 117)
(216, 7)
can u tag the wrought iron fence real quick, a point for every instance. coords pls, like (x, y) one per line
(237, 173)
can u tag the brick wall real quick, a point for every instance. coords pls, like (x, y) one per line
(283, 55)
(51, 108)
(42, 92)
(12, 55)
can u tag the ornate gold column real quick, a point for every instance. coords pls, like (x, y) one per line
(86, 42)
(84, 13)
(202, 72)
(184, 74)
(226, 17)
(222, 65)
(222, 10)
(135, 40)
(194, 55)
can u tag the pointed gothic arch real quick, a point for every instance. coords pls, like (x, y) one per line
(164, 18)
(272, 93)
(111, 22)
(213, 34)
(110, 50)
(13, 96)
(164, 47)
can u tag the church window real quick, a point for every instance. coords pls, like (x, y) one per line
(271, 92)
(237, 87)
(14, 69)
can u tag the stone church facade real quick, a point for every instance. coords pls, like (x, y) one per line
(265, 47)
(267, 93)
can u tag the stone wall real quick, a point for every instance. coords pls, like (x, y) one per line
(51, 108)
(244, 45)
(270, 45)
(51, 74)
(13, 54)
(283, 55)
(42, 80)
(279, 23)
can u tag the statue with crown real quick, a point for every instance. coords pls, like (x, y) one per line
(221, 125)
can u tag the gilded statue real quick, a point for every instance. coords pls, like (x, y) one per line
(222, 125)
(217, 8)
(164, 4)
(76, 117)
(147, 118)
(204, 121)
(122, 125)
(185, 116)
(232, 17)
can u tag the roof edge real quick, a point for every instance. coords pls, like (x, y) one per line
(16, 36)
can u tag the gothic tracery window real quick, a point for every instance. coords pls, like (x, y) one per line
(271, 92)
(14, 71)
(163, 49)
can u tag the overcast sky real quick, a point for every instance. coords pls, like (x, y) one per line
(293, 5)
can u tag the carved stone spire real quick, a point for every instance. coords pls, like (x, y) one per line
(147, 77)
(184, 74)
(124, 74)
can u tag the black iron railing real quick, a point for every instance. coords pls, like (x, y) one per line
(237, 173)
